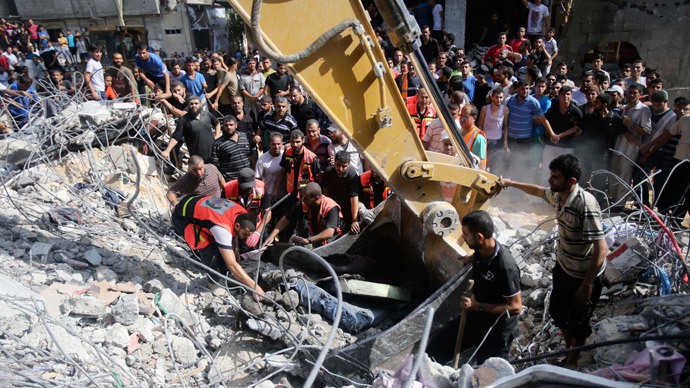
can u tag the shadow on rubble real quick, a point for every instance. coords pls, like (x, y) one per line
(47, 246)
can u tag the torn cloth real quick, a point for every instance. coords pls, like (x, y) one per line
(112, 197)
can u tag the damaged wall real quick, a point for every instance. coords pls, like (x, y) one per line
(658, 29)
(51, 9)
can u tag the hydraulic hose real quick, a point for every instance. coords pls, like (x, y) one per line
(311, 49)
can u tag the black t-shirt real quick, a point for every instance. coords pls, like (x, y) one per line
(480, 93)
(210, 81)
(278, 83)
(342, 189)
(561, 122)
(495, 279)
(599, 133)
(248, 126)
(197, 133)
(176, 103)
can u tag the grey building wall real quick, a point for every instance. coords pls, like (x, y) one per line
(69, 9)
(659, 29)
(455, 19)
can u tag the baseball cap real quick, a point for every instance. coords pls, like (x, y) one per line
(615, 88)
(659, 96)
(246, 178)
(332, 128)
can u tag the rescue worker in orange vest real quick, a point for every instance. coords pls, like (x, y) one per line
(212, 227)
(250, 193)
(322, 214)
(473, 136)
(420, 109)
(374, 189)
(300, 166)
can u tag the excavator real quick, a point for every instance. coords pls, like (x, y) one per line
(332, 51)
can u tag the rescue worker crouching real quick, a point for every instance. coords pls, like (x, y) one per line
(212, 227)
(250, 193)
(322, 214)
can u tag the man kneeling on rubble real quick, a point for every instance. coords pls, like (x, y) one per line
(322, 214)
(212, 227)
(582, 249)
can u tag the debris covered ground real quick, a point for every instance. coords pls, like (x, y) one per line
(95, 289)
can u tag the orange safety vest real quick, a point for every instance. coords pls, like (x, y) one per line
(368, 189)
(232, 192)
(326, 205)
(305, 172)
(203, 214)
(469, 139)
(421, 121)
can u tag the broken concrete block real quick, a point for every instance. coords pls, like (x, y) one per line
(14, 150)
(118, 336)
(105, 273)
(535, 298)
(86, 306)
(290, 299)
(617, 328)
(530, 275)
(184, 349)
(264, 328)
(126, 310)
(144, 327)
(93, 257)
(39, 249)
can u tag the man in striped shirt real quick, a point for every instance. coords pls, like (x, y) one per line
(581, 252)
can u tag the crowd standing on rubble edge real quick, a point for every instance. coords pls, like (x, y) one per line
(243, 122)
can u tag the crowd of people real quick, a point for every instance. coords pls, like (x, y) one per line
(255, 138)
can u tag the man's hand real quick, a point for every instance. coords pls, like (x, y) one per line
(252, 240)
(627, 121)
(215, 105)
(253, 99)
(554, 139)
(300, 240)
(504, 183)
(468, 303)
(165, 154)
(645, 149)
(505, 146)
(257, 139)
(96, 96)
(354, 227)
(583, 294)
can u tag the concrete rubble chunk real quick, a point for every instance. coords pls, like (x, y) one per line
(126, 310)
(264, 328)
(93, 257)
(40, 249)
(144, 327)
(105, 273)
(86, 306)
(614, 328)
(531, 275)
(118, 336)
(184, 349)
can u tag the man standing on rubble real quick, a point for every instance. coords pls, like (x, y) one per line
(582, 249)
(212, 227)
(496, 293)
(197, 129)
(200, 179)
(153, 68)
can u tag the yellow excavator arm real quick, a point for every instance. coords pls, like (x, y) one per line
(331, 49)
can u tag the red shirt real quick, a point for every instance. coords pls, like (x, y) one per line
(493, 53)
(515, 44)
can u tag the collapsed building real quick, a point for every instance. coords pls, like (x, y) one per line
(96, 289)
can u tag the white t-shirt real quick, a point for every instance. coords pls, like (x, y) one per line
(536, 17)
(551, 46)
(355, 160)
(222, 236)
(96, 70)
(436, 14)
(268, 170)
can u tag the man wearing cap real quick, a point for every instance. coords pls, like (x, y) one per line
(200, 179)
(322, 215)
(663, 119)
(250, 193)
(481, 88)
(617, 94)
(231, 152)
(212, 227)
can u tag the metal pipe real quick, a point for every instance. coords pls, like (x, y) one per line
(435, 93)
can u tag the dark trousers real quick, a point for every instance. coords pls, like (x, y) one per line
(209, 256)
(567, 314)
